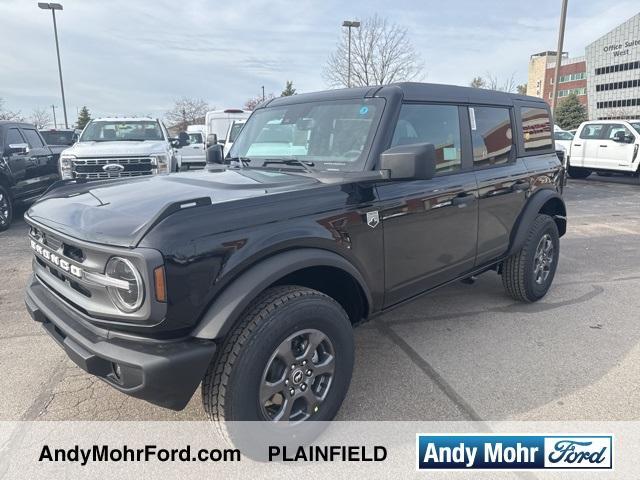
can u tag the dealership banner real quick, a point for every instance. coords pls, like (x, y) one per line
(350, 450)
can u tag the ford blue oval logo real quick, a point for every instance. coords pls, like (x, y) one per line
(113, 168)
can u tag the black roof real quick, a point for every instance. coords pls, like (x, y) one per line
(413, 91)
(16, 124)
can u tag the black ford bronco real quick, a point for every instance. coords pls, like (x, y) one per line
(332, 207)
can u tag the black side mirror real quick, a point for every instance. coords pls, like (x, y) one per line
(410, 162)
(214, 154)
(212, 139)
(183, 139)
(620, 136)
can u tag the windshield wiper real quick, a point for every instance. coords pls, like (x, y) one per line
(242, 161)
(290, 161)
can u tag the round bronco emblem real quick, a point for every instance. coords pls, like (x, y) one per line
(297, 377)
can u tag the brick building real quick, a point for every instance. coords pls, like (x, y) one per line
(573, 76)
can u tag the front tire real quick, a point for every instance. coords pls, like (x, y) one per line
(6, 209)
(528, 274)
(578, 172)
(289, 359)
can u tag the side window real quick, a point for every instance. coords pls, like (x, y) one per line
(14, 136)
(614, 128)
(537, 130)
(33, 139)
(592, 131)
(436, 124)
(491, 135)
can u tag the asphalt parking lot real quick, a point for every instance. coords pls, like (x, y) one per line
(466, 352)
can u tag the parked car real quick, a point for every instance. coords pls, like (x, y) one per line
(28, 166)
(232, 134)
(192, 153)
(605, 146)
(119, 147)
(564, 138)
(59, 137)
(219, 121)
(336, 207)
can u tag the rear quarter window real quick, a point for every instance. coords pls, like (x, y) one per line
(536, 129)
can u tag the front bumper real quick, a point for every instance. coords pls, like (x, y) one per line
(165, 373)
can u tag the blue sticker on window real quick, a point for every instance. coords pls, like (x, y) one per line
(364, 110)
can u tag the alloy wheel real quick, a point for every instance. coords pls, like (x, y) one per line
(4, 209)
(543, 259)
(298, 377)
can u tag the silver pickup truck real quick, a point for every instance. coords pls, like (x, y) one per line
(119, 147)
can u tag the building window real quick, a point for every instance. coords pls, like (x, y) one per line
(627, 102)
(576, 91)
(573, 77)
(621, 67)
(604, 87)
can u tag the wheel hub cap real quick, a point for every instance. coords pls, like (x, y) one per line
(297, 377)
(543, 260)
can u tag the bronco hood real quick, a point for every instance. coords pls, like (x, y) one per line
(120, 212)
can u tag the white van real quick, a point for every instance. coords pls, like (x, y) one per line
(232, 134)
(193, 154)
(605, 146)
(218, 121)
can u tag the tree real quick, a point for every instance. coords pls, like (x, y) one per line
(288, 90)
(84, 117)
(492, 82)
(478, 82)
(14, 116)
(187, 111)
(522, 89)
(570, 113)
(252, 103)
(41, 118)
(381, 53)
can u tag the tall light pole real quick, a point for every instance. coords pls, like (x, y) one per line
(349, 24)
(53, 7)
(263, 93)
(556, 76)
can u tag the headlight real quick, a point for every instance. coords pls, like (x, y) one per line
(129, 299)
(66, 166)
(159, 163)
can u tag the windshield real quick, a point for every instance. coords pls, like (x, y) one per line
(53, 137)
(562, 136)
(195, 138)
(114, 131)
(330, 135)
(636, 125)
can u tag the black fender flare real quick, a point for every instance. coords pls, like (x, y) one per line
(535, 203)
(234, 299)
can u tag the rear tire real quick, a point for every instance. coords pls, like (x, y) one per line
(528, 274)
(258, 356)
(6, 209)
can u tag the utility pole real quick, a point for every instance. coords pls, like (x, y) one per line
(263, 93)
(556, 76)
(53, 7)
(55, 124)
(349, 24)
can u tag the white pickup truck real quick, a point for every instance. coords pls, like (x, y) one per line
(119, 147)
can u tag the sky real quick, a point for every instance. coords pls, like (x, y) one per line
(136, 57)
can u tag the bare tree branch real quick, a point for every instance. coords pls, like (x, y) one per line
(14, 116)
(381, 53)
(187, 111)
(41, 118)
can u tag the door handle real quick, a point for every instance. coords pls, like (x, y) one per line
(577, 144)
(603, 146)
(462, 200)
(521, 186)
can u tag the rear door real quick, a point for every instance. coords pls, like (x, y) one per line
(503, 180)
(612, 154)
(43, 161)
(430, 226)
(584, 149)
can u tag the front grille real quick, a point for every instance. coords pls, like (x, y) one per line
(92, 168)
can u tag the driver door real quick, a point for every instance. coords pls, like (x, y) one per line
(616, 155)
